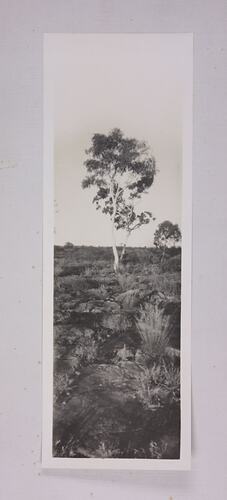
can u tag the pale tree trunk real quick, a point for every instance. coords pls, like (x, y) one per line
(124, 246)
(114, 246)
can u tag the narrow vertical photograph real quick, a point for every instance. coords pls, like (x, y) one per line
(117, 249)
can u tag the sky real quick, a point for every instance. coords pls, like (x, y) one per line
(100, 82)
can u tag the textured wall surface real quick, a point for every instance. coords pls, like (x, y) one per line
(22, 24)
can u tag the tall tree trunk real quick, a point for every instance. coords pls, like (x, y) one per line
(124, 246)
(114, 246)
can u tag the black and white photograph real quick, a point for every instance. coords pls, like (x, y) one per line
(113, 250)
(117, 250)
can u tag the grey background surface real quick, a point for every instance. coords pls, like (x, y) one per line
(22, 24)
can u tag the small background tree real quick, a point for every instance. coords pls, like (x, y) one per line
(121, 169)
(166, 236)
(69, 245)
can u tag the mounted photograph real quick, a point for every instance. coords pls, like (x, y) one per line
(117, 251)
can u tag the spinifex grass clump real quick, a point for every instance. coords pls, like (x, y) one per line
(159, 385)
(153, 329)
(126, 281)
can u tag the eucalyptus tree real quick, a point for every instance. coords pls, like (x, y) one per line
(121, 170)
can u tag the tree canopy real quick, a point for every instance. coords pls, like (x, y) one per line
(167, 234)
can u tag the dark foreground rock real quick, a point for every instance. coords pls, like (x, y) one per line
(105, 417)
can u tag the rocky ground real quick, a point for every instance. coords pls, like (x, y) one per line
(116, 388)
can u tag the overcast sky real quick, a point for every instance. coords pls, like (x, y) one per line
(132, 82)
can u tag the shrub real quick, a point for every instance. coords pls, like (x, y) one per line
(153, 329)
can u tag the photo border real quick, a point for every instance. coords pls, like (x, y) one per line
(48, 461)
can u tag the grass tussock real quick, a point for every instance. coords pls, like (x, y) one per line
(126, 281)
(159, 385)
(153, 328)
